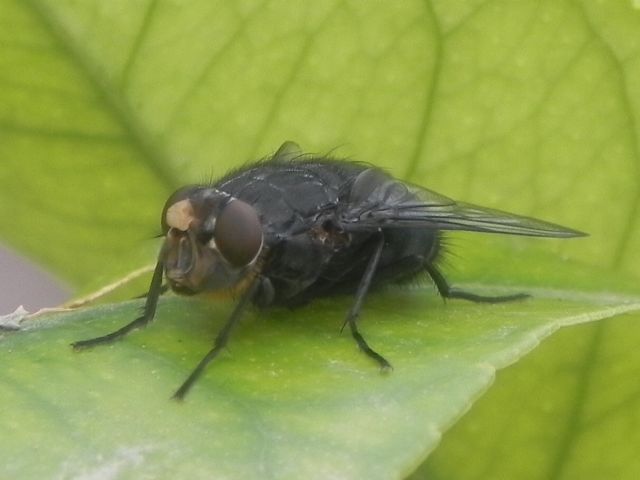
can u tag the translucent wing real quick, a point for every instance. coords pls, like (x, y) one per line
(377, 200)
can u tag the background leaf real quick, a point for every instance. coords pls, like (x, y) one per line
(572, 413)
(105, 107)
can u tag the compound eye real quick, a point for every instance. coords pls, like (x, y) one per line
(238, 233)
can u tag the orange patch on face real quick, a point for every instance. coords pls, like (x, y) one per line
(180, 215)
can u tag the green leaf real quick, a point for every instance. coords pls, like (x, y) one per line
(291, 398)
(105, 107)
(575, 401)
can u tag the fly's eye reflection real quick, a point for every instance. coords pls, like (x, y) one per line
(318, 226)
(238, 233)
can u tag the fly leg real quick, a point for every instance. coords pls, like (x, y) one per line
(447, 291)
(354, 313)
(155, 290)
(220, 342)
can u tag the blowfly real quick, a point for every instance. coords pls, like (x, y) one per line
(294, 227)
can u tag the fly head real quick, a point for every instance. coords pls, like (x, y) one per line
(212, 240)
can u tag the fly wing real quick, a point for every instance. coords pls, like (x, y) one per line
(377, 200)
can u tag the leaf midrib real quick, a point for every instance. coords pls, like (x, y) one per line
(151, 154)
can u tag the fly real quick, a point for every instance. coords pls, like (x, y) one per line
(294, 227)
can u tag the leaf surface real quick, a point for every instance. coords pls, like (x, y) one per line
(106, 107)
